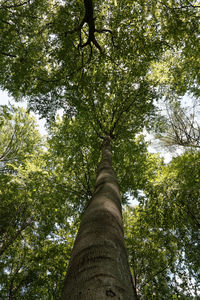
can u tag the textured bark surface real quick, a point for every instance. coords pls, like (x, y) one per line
(98, 267)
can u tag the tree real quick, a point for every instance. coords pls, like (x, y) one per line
(97, 66)
(181, 126)
(30, 219)
(86, 158)
(171, 201)
(20, 142)
(151, 257)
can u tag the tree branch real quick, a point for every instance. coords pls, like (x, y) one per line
(13, 6)
(90, 20)
(8, 54)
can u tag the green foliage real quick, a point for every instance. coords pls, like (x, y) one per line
(19, 139)
(170, 210)
(72, 149)
(20, 142)
(152, 253)
(35, 221)
(156, 258)
(42, 47)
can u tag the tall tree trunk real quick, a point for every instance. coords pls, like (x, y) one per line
(98, 269)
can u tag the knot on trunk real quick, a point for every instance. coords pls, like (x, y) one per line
(110, 293)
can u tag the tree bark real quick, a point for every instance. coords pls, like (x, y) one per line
(98, 269)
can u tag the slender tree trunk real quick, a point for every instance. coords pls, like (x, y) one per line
(98, 268)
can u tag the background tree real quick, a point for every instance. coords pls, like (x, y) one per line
(20, 142)
(173, 200)
(181, 126)
(33, 227)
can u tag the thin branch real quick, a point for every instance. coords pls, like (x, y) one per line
(8, 148)
(109, 31)
(155, 274)
(13, 6)
(125, 109)
(96, 131)
(11, 240)
(8, 54)
(180, 7)
(86, 174)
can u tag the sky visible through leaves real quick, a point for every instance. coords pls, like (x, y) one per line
(5, 99)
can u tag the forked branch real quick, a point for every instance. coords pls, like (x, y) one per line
(90, 20)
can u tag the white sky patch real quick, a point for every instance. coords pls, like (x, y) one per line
(155, 145)
(136, 86)
(5, 99)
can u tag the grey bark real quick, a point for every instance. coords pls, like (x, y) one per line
(98, 269)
